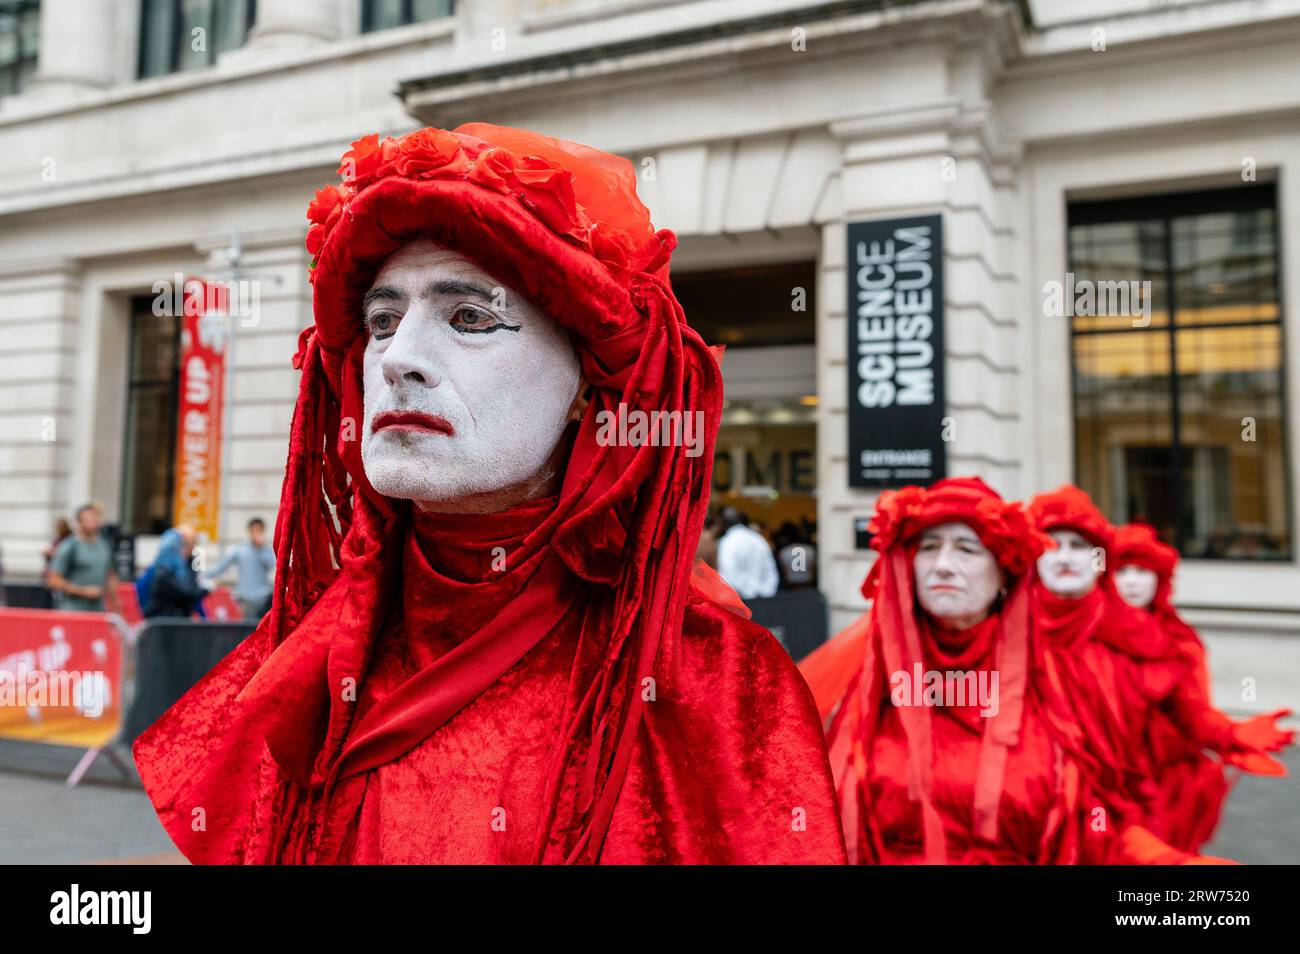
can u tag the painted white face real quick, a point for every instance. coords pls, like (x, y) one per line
(468, 386)
(957, 578)
(1070, 570)
(1136, 585)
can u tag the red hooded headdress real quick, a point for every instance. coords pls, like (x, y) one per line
(561, 225)
(1069, 508)
(1137, 543)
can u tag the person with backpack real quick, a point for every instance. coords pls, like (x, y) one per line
(175, 589)
(81, 574)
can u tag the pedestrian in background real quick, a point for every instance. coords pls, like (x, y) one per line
(796, 557)
(745, 558)
(175, 589)
(254, 562)
(62, 530)
(707, 550)
(81, 574)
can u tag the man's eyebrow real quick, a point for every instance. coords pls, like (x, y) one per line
(386, 292)
(446, 286)
(455, 286)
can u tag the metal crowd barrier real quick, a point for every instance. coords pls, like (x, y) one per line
(171, 656)
(87, 680)
(799, 619)
(64, 680)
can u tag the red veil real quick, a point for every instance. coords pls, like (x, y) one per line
(561, 225)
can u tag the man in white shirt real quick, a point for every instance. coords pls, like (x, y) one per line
(745, 560)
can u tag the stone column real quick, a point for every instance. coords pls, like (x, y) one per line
(294, 24)
(77, 51)
(40, 306)
(944, 157)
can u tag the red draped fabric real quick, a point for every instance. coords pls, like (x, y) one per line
(722, 772)
(1030, 822)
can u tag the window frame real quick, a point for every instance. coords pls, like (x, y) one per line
(17, 8)
(1166, 207)
(408, 16)
(173, 45)
(143, 305)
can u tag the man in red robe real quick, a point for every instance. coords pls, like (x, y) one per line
(1190, 785)
(486, 642)
(1119, 670)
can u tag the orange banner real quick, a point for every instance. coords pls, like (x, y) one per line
(60, 676)
(198, 429)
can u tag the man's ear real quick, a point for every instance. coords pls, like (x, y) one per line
(580, 400)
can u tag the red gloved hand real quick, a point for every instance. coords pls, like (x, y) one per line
(1261, 735)
(1256, 763)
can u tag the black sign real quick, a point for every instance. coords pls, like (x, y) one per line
(895, 356)
(124, 557)
(861, 535)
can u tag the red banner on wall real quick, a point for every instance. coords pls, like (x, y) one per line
(197, 492)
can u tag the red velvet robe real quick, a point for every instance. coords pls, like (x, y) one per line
(1030, 793)
(1052, 810)
(1191, 786)
(1133, 690)
(730, 767)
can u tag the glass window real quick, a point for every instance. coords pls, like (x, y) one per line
(751, 306)
(765, 457)
(386, 14)
(179, 35)
(149, 451)
(20, 31)
(765, 465)
(1179, 412)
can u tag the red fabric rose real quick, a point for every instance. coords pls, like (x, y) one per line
(324, 205)
(893, 509)
(428, 151)
(368, 160)
(548, 191)
(492, 169)
(611, 246)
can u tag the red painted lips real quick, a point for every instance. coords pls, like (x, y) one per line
(413, 421)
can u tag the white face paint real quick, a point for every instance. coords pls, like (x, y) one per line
(1136, 585)
(1071, 569)
(468, 386)
(957, 578)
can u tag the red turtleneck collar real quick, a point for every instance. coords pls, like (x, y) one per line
(458, 570)
(958, 649)
(1068, 622)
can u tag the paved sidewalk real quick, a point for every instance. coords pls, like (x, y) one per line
(42, 821)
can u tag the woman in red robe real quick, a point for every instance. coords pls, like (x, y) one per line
(540, 683)
(1118, 670)
(924, 776)
(1190, 785)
